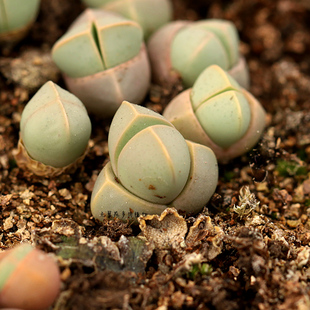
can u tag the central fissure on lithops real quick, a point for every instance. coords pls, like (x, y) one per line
(229, 88)
(95, 36)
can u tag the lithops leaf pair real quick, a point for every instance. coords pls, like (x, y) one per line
(54, 132)
(218, 113)
(149, 14)
(104, 61)
(16, 17)
(151, 166)
(29, 278)
(183, 49)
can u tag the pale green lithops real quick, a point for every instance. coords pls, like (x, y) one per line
(183, 49)
(16, 17)
(104, 61)
(54, 132)
(149, 14)
(29, 278)
(218, 113)
(151, 167)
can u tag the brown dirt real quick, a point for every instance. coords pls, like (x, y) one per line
(255, 260)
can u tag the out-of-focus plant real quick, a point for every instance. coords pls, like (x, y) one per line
(104, 61)
(183, 49)
(218, 113)
(149, 14)
(16, 18)
(151, 167)
(29, 278)
(54, 132)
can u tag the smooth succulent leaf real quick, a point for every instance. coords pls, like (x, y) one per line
(77, 54)
(150, 15)
(202, 180)
(111, 199)
(154, 164)
(225, 117)
(16, 14)
(96, 41)
(193, 49)
(228, 35)
(55, 126)
(212, 81)
(119, 40)
(127, 122)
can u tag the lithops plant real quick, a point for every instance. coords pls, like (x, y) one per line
(151, 167)
(149, 14)
(29, 278)
(104, 61)
(54, 132)
(218, 113)
(16, 18)
(183, 49)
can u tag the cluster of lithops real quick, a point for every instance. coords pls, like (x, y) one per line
(104, 61)
(183, 49)
(149, 14)
(16, 18)
(151, 166)
(218, 113)
(29, 278)
(54, 132)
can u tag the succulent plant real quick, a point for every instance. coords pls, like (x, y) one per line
(183, 49)
(54, 131)
(151, 166)
(29, 278)
(149, 14)
(104, 61)
(218, 113)
(16, 17)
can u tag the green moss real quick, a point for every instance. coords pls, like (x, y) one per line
(290, 168)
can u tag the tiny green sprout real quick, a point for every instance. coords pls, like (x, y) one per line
(54, 130)
(182, 50)
(104, 61)
(149, 14)
(248, 203)
(16, 17)
(202, 269)
(29, 278)
(218, 113)
(151, 167)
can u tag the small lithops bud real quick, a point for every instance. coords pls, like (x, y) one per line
(54, 131)
(218, 113)
(16, 17)
(149, 14)
(29, 278)
(184, 49)
(104, 61)
(151, 167)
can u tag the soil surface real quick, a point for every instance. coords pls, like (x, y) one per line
(248, 248)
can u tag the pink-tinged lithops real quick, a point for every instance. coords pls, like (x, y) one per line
(183, 49)
(104, 61)
(16, 18)
(218, 113)
(54, 132)
(149, 14)
(151, 167)
(29, 278)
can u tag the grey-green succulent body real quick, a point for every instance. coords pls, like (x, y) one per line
(152, 166)
(218, 113)
(55, 127)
